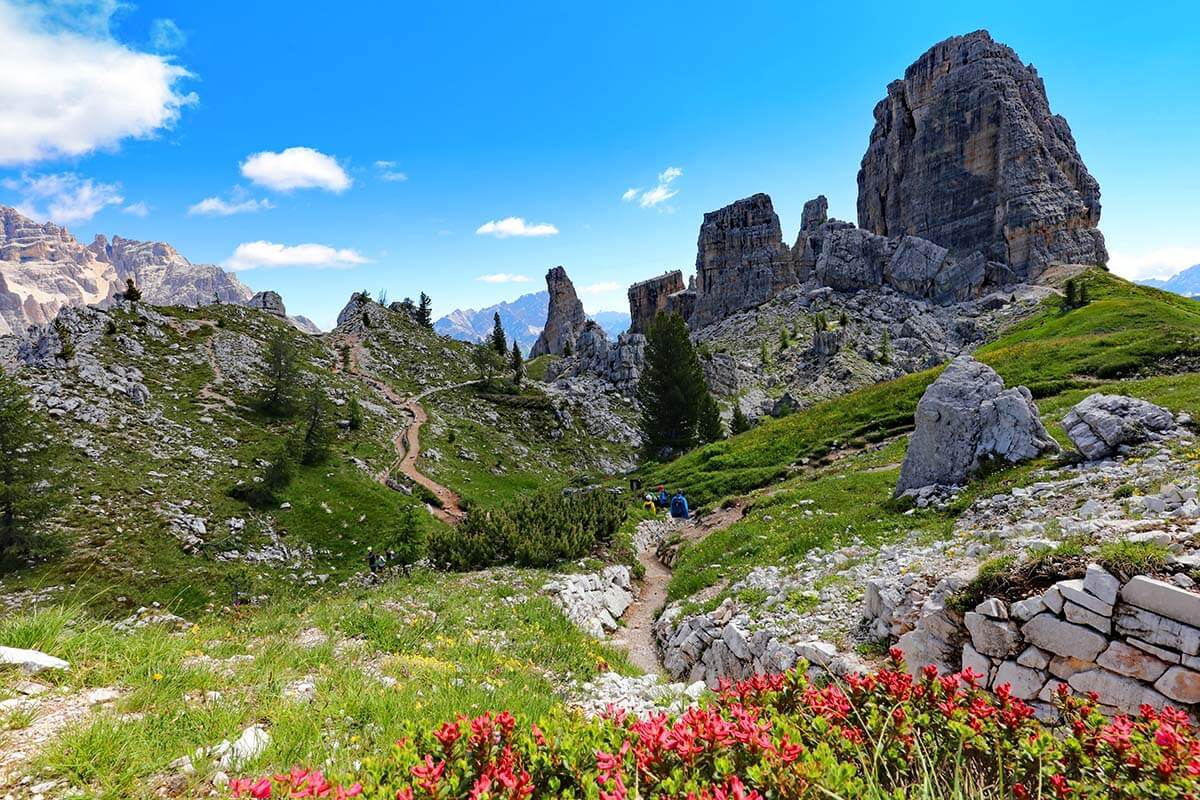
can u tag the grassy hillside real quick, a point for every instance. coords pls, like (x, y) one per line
(413, 652)
(1127, 331)
(147, 515)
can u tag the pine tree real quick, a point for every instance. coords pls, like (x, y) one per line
(764, 355)
(739, 423)
(843, 320)
(425, 311)
(499, 340)
(354, 414)
(1083, 295)
(672, 390)
(487, 361)
(710, 428)
(27, 493)
(132, 293)
(784, 341)
(517, 362)
(1070, 300)
(318, 432)
(885, 348)
(408, 539)
(819, 321)
(568, 351)
(281, 375)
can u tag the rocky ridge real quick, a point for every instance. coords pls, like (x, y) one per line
(966, 153)
(565, 316)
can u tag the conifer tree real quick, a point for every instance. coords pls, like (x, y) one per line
(1069, 300)
(499, 340)
(27, 495)
(354, 414)
(672, 390)
(1083, 295)
(317, 432)
(425, 311)
(281, 375)
(885, 348)
(568, 351)
(710, 428)
(739, 423)
(843, 319)
(132, 293)
(408, 539)
(517, 362)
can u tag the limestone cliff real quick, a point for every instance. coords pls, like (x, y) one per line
(565, 317)
(966, 153)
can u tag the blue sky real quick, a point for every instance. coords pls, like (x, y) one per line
(547, 112)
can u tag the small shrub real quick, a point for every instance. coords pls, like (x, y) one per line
(883, 735)
(1133, 558)
(1123, 491)
(535, 530)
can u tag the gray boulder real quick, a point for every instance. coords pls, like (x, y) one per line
(967, 417)
(1101, 423)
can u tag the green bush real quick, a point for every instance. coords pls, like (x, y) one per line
(1133, 558)
(536, 530)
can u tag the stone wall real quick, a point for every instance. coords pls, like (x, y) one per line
(648, 298)
(1132, 644)
(593, 601)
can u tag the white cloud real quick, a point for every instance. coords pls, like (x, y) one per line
(515, 226)
(62, 198)
(296, 168)
(239, 202)
(388, 172)
(138, 209)
(660, 193)
(69, 88)
(166, 36)
(1160, 263)
(503, 277)
(252, 255)
(601, 288)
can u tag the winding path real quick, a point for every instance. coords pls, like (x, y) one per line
(407, 441)
(637, 635)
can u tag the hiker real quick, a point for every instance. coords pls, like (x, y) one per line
(649, 504)
(664, 499)
(372, 560)
(391, 556)
(679, 506)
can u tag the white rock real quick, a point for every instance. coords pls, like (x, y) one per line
(1063, 638)
(1101, 583)
(30, 661)
(249, 746)
(1163, 598)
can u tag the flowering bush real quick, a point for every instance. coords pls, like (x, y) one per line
(888, 734)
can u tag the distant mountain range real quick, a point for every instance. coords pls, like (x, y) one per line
(1186, 283)
(522, 319)
(44, 268)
